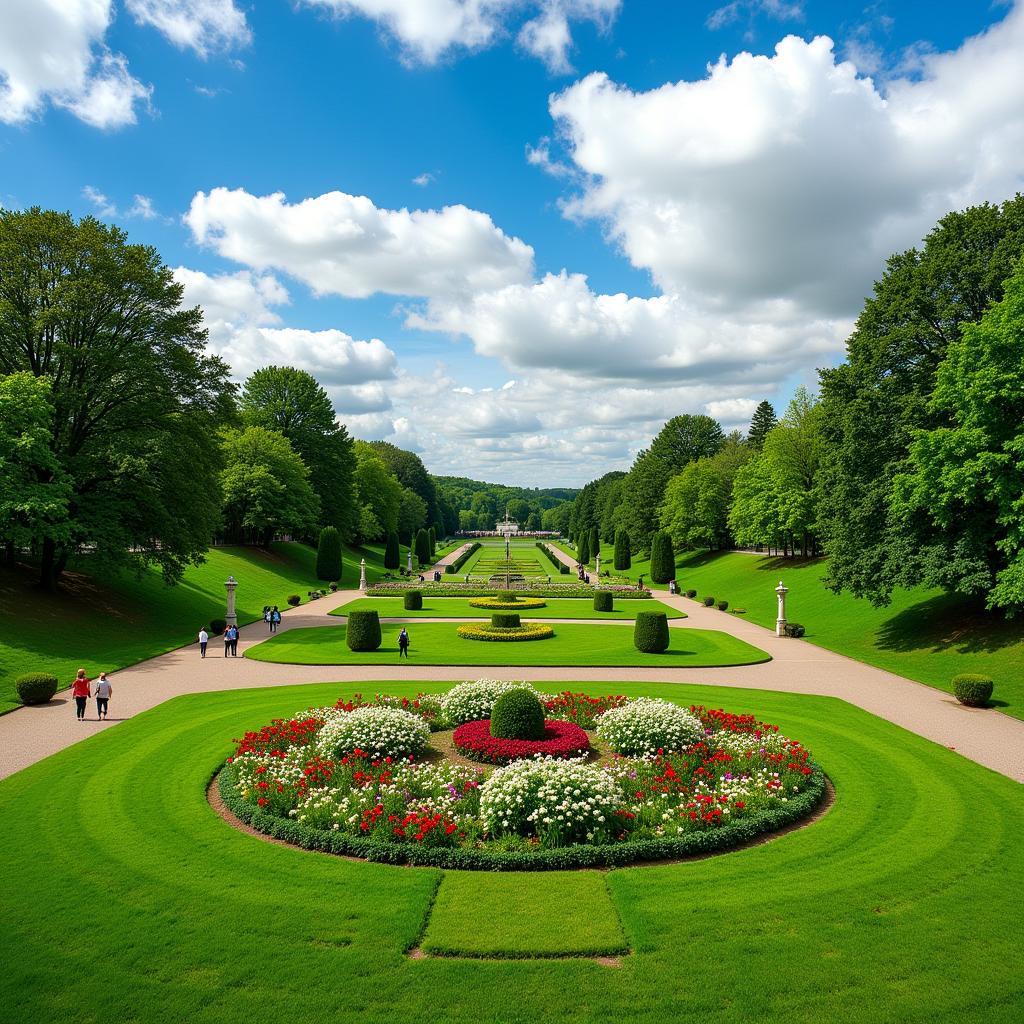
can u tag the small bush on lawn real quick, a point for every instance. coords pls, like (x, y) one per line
(294, 600)
(217, 626)
(333, 587)
(722, 606)
(363, 631)
(691, 593)
(794, 629)
(38, 687)
(650, 633)
(972, 690)
(708, 602)
(518, 715)
(603, 601)
(505, 620)
(412, 601)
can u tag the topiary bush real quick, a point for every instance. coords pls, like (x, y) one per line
(412, 601)
(422, 548)
(39, 687)
(663, 559)
(392, 552)
(432, 540)
(217, 626)
(623, 557)
(650, 632)
(708, 602)
(363, 632)
(603, 601)
(518, 715)
(583, 551)
(691, 594)
(722, 606)
(972, 690)
(794, 629)
(505, 620)
(294, 600)
(328, 554)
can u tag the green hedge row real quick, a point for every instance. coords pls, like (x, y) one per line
(560, 567)
(724, 837)
(453, 589)
(453, 567)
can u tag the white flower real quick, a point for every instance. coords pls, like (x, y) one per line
(647, 725)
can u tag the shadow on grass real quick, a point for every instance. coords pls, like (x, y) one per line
(948, 622)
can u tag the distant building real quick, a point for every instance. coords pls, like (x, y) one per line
(507, 525)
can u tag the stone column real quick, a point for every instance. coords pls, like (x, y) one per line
(362, 573)
(780, 622)
(231, 616)
(597, 568)
(408, 563)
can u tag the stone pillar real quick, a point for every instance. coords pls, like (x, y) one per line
(780, 622)
(597, 568)
(231, 616)
(408, 563)
(362, 573)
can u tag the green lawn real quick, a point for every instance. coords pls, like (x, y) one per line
(109, 623)
(460, 608)
(436, 643)
(528, 560)
(127, 899)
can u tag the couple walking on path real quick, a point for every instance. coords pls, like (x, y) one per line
(81, 690)
(230, 642)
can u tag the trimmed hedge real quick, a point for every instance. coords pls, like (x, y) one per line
(509, 603)
(708, 602)
(691, 594)
(459, 562)
(623, 556)
(722, 606)
(363, 630)
(723, 837)
(294, 600)
(412, 600)
(650, 632)
(392, 552)
(603, 601)
(217, 626)
(663, 559)
(328, 554)
(517, 715)
(432, 541)
(422, 548)
(972, 690)
(505, 620)
(559, 567)
(794, 629)
(481, 631)
(36, 687)
(583, 550)
(454, 588)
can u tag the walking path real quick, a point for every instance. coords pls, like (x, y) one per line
(441, 564)
(29, 734)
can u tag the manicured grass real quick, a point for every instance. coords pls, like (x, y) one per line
(460, 608)
(107, 623)
(436, 643)
(923, 634)
(527, 560)
(485, 914)
(127, 899)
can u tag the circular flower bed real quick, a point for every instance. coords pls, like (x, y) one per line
(485, 631)
(495, 604)
(303, 781)
(561, 739)
(649, 726)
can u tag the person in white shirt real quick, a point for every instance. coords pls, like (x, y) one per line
(204, 639)
(102, 694)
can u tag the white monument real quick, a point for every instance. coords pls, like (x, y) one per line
(780, 622)
(597, 568)
(231, 616)
(362, 573)
(507, 526)
(408, 563)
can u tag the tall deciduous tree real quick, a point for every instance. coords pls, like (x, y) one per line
(410, 472)
(379, 493)
(294, 404)
(136, 400)
(967, 479)
(881, 395)
(412, 514)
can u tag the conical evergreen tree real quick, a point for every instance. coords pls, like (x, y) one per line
(763, 420)
(595, 542)
(432, 537)
(423, 548)
(583, 551)
(623, 555)
(392, 552)
(328, 555)
(663, 560)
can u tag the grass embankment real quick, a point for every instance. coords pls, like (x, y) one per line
(436, 643)
(901, 904)
(460, 608)
(106, 623)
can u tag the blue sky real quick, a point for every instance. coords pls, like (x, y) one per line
(622, 234)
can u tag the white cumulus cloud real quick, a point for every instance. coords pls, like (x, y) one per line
(200, 25)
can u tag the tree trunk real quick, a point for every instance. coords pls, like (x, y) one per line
(9, 554)
(48, 571)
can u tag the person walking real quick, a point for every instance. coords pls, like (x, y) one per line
(403, 643)
(103, 694)
(204, 639)
(227, 641)
(640, 583)
(234, 641)
(81, 692)
(268, 618)
(275, 619)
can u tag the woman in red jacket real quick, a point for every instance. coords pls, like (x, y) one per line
(81, 692)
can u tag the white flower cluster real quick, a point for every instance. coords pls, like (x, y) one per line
(739, 744)
(558, 800)
(474, 700)
(647, 725)
(379, 731)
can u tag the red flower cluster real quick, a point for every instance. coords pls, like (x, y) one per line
(561, 739)
(278, 736)
(349, 705)
(723, 721)
(422, 828)
(581, 709)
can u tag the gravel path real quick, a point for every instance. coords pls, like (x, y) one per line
(29, 734)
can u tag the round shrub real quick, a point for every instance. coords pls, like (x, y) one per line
(691, 593)
(647, 725)
(517, 715)
(39, 687)
(972, 690)
(603, 601)
(650, 632)
(505, 620)
(413, 600)
(794, 629)
(475, 699)
(722, 606)
(294, 600)
(709, 602)
(377, 731)
(217, 626)
(363, 632)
